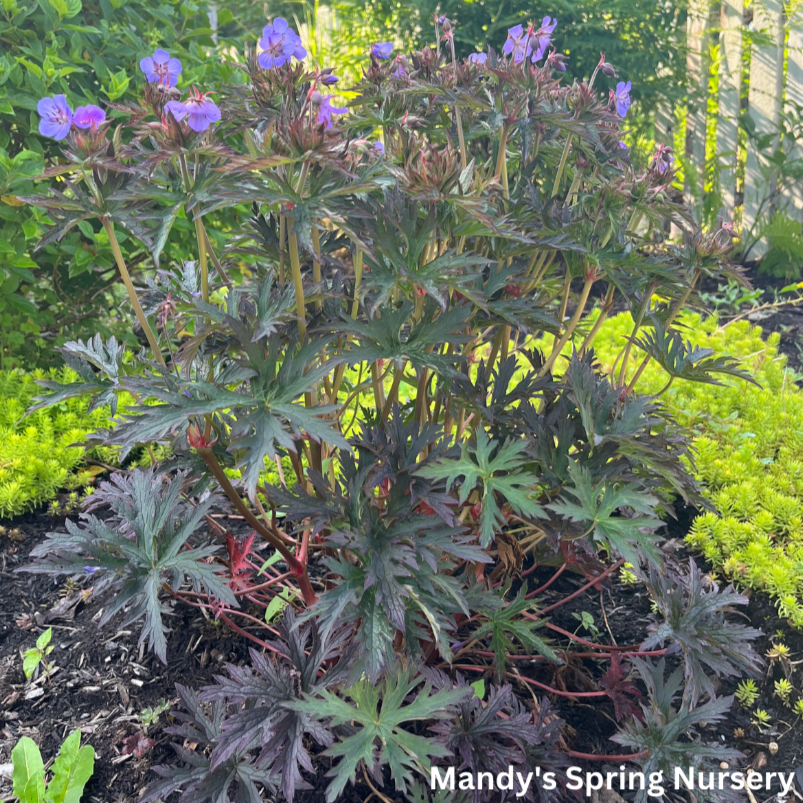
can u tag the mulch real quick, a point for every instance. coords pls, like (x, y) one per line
(102, 680)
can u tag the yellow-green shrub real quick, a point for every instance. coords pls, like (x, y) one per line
(749, 444)
(37, 455)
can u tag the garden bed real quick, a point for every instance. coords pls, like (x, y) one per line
(103, 681)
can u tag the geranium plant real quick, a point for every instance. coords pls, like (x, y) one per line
(372, 402)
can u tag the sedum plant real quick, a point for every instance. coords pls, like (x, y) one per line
(41, 454)
(410, 252)
(748, 455)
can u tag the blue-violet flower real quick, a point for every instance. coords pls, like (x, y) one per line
(622, 98)
(279, 43)
(160, 68)
(517, 44)
(89, 117)
(382, 50)
(197, 108)
(325, 109)
(56, 117)
(541, 39)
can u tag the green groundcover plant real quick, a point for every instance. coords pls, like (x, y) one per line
(41, 454)
(748, 453)
(406, 247)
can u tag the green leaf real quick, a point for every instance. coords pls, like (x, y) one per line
(595, 508)
(278, 604)
(507, 620)
(682, 360)
(44, 639)
(496, 466)
(479, 688)
(30, 660)
(379, 735)
(71, 770)
(28, 775)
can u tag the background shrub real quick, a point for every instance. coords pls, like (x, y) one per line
(87, 51)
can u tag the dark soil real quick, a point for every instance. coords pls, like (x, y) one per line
(102, 680)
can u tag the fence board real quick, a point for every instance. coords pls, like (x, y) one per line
(697, 77)
(730, 39)
(793, 192)
(764, 105)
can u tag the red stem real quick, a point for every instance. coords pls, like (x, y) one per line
(237, 629)
(548, 583)
(511, 676)
(612, 759)
(583, 588)
(579, 640)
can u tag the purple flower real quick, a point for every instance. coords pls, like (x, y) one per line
(200, 111)
(160, 68)
(623, 145)
(279, 43)
(379, 148)
(91, 569)
(382, 50)
(517, 44)
(89, 117)
(329, 79)
(401, 63)
(325, 109)
(56, 117)
(622, 98)
(478, 58)
(540, 39)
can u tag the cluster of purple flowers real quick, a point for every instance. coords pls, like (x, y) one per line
(279, 43)
(58, 118)
(532, 44)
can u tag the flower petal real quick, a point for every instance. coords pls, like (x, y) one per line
(177, 109)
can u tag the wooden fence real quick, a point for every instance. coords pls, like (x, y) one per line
(773, 31)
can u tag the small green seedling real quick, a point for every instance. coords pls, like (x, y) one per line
(587, 623)
(627, 577)
(36, 655)
(761, 719)
(798, 708)
(71, 770)
(747, 693)
(783, 690)
(149, 716)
